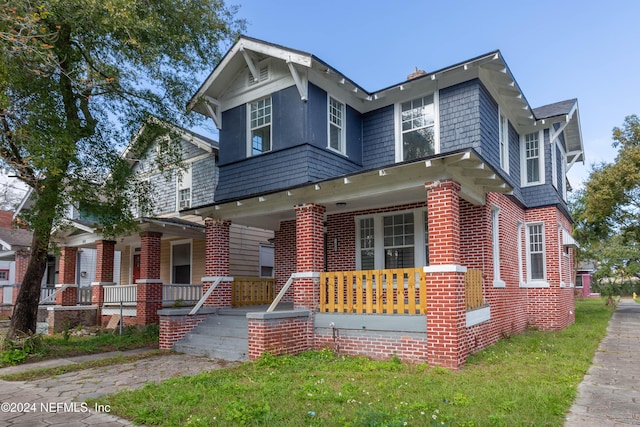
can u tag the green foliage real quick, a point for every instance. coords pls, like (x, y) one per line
(530, 379)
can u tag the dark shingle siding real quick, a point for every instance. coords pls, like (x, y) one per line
(459, 112)
(378, 135)
(204, 176)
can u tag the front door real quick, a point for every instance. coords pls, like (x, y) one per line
(136, 268)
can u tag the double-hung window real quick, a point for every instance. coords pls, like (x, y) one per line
(336, 125)
(260, 126)
(495, 245)
(392, 240)
(533, 159)
(535, 252)
(417, 119)
(504, 142)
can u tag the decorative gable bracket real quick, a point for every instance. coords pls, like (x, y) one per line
(302, 82)
(213, 107)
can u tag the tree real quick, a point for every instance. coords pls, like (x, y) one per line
(607, 211)
(77, 79)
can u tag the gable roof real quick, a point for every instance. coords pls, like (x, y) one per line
(15, 238)
(565, 116)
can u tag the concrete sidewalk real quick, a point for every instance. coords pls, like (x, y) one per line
(60, 400)
(609, 395)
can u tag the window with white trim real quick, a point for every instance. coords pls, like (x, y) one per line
(417, 122)
(4, 275)
(336, 125)
(495, 245)
(533, 170)
(504, 142)
(181, 262)
(260, 126)
(535, 252)
(266, 260)
(392, 240)
(184, 188)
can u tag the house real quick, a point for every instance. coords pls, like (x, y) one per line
(426, 219)
(136, 275)
(13, 243)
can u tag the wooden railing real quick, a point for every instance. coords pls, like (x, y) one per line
(397, 291)
(252, 291)
(473, 289)
(127, 294)
(181, 294)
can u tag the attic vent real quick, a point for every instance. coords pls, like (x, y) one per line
(264, 76)
(416, 73)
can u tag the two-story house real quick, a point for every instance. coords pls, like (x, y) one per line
(162, 264)
(426, 219)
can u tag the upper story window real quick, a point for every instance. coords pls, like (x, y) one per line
(336, 125)
(184, 189)
(417, 119)
(533, 170)
(504, 142)
(260, 126)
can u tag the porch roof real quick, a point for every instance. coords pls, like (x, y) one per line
(396, 184)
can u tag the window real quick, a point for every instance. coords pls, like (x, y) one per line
(4, 275)
(504, 143)
(266, 260)
(184, 189)
(417, 123)
(392, 240)
(181, 262)
(579, 281)
(260, 125)
(536, 252)
(495, 243)
(336, 125)
(533, 164)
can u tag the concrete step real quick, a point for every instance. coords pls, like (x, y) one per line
(220, 336)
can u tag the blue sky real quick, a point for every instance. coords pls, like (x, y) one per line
(556, 50)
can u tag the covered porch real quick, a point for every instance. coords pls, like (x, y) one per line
(384, 242)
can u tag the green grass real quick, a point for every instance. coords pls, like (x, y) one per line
(36, 348)
(524, 380)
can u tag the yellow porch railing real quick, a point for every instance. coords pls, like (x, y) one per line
(252, 291)
(396, 291)
(473, 289)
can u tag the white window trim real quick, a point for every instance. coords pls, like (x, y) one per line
(249, 128)
(184, 181)
(554, 164)
(521, 229)
(180, 242)
(495, 247)
(419, 245)
(503, 150)
(537, 283)
(343, 128)
(523, 160)
(563, 171)
(398, 124)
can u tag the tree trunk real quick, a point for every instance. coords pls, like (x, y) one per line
(25, 311)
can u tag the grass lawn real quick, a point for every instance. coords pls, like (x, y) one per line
(525, 380)
(42, 347)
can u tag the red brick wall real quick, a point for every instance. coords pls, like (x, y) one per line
(279, 336)
(309, 254)
(149, 302)
(22, 262)
(285, 256)
(150, 255)
(409, 348)
(217, 247)
(67, 265)
(105, 250)
(174, 328)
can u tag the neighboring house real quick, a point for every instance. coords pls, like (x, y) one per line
(584, 273)
(178, 257)
(385, 203)
(13, 243)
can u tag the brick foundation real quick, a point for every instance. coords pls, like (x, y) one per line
(60, 318)
(286, 332)
(175, 324)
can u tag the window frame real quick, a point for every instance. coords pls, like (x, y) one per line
(524, 160)
(420, 250)
(171, 265)
(251, 128)
(184, 181)
(399, 145)
(537, 282)
(495, 247)
(503, 140)
(342, 149)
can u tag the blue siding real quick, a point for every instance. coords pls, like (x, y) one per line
(489, 131)
(459, 116)
(261, 174)
(378, 135)
(233, 140)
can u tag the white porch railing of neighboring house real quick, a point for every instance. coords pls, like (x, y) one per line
(84, 296)
(174, 294)
(125, 294)
(46, 295)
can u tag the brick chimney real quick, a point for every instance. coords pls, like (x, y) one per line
(416, 73)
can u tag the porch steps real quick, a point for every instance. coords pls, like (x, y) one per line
(221, 336)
